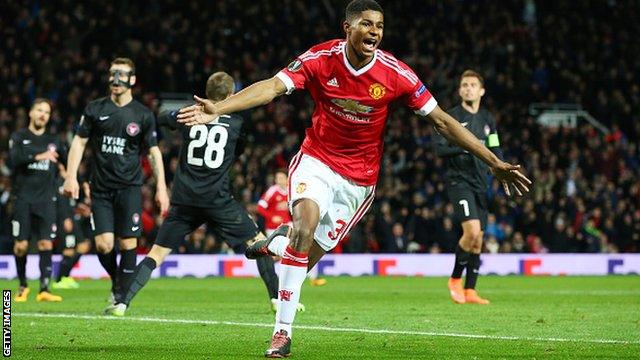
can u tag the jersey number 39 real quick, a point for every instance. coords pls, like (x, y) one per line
(214, 138)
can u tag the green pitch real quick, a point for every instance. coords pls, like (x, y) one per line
(349, 318)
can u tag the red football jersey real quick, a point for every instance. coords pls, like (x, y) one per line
(351, 106)
(273, 204)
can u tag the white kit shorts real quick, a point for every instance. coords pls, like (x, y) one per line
(342, 202)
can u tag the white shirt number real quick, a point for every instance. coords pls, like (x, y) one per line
(465, 206)
(214, 138)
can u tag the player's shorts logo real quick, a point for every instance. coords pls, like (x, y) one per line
(377, 91)
(135, 217)
(52, 147)
(301, 188)
(133, 129)
(295, 65)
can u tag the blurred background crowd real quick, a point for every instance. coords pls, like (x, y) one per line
(586, 196)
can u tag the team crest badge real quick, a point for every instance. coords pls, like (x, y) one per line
(295, 65)
(135, 217)
(133, 129)
(377, 91)
(52, 147)
(301, 188)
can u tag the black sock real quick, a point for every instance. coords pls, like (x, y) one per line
(268, 275)
(462, 260)
(472, 272)
(110, 264)
(140, 277)
(45, 269)
(21, 266)
(125, 271)
(66, 265)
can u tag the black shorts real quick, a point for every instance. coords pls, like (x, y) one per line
(34, 221)
(64, 210)
(228, 221)
(82, 228)
(118, 212)
(468, 203)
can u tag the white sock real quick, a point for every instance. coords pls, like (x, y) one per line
(293, 271)
(279, 245)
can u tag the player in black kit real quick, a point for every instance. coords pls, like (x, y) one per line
(34, 156)
(74, 234)
(117, 127)
(467, 185)
(201, 194)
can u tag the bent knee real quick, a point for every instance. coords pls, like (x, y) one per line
(83, 247)
(20, 248)
(45, 245)
(473, 234)
(103, 247)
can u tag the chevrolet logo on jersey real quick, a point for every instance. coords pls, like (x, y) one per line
(352, 106)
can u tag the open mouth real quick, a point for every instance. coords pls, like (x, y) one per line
(369, 44)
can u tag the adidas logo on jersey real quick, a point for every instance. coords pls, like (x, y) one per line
(333, 82)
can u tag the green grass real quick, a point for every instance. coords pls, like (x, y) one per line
(529, 318)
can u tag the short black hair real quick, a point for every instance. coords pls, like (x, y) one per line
(356, 7)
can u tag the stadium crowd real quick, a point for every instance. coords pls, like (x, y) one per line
(586, 195)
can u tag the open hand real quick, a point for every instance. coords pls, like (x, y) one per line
(508, 175)
(202, 112)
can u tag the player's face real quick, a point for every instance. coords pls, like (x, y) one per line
(39, 115)
(282, 180)
(471, 90)
(120, 89)
(364, 33)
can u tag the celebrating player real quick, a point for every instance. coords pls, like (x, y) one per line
(467, 185)
(201, 194)
(34, 156)
(117, 127)
(272, 205)
(332, 178)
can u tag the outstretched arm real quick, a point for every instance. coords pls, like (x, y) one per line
(71, 186)
(454, 132)
(204, 111)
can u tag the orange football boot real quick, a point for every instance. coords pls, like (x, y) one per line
(472, 297)
(22, 295)
(47, 296)
(456, 291)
